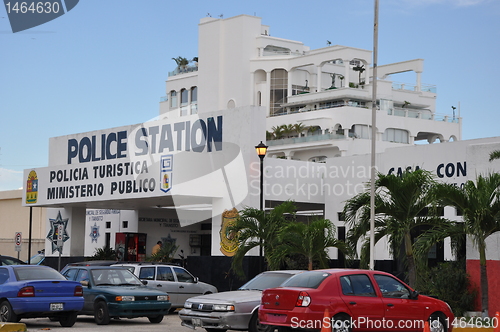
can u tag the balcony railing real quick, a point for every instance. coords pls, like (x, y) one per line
(304, 139)
(179, 71)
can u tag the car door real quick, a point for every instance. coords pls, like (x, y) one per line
(405, 313)
(361, 300)
(187, 284)
(164, 280)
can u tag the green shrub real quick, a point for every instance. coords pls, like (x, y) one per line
(449, 282)
(104, 253)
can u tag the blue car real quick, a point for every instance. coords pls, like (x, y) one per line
(33, 291)
(115, 292)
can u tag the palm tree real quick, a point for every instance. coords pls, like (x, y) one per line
(299, 128)
(480, 206)
(401, 203)
(256, 228)
(359, 69)
(181, 62)
(495, 155)
(278, 131)
(310, 240)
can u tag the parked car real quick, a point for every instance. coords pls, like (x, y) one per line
(114, 292)
(34, 291)
(351, 299)
(8, 260)
(37, 259)
(233, 310)
(172, 279)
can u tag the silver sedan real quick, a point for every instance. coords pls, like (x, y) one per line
(234, 310)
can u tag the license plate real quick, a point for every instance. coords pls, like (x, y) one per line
(196, 322)
(56, 306)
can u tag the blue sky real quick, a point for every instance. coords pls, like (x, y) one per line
(104, 64)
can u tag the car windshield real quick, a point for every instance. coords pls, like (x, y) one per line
(34, 272)
(310, 279)
(114, 277)
(266, 280)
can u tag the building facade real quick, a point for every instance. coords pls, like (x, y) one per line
(179, 176)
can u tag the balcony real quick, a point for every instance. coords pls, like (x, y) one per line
(178, 71)
(304, 139)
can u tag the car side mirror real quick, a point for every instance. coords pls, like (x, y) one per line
(144, 282)
(414, 295)
(85, 283)
(196, 279)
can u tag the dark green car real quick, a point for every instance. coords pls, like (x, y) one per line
(113, 292)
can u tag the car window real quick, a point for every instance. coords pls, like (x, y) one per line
(165, 274)
(391, 287)
(34, 272)
(183, 275)
(310, 279)
(266, 280)
(83, 275)
(147, 273)
(70, 274)
(357, 285)
(4, 275)
(114, 277)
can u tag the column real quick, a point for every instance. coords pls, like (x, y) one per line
(418, 83)
(346, 72)
(318, 78)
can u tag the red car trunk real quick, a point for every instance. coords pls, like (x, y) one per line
(280, 298)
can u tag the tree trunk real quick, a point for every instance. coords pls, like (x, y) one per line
(410, 260)
(484, 280)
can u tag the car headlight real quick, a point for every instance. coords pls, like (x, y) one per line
(188, 305)
(163, 298)
(223, 307)
(125, 298)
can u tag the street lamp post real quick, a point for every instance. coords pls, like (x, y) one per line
(261, 152)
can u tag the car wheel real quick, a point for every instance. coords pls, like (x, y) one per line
(437, 324)
(7, 314)
(155, 319)
(69, 320)
(255, 326)
(341, 323)
(101, 313)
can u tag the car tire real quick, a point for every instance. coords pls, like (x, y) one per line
(69, 320)
(341, 323)
(255, 326)
(155, 319)
(437, 323)
(101, 313)
(7, 314)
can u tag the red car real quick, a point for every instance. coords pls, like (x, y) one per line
(351, 300)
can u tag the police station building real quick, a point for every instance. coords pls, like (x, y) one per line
(179, 177)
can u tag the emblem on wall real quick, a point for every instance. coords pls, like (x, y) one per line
(228, 238)
(166, 167)
(94, 233)
(54, 231)
(31, 188)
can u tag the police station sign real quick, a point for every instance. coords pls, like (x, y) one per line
(125, 162)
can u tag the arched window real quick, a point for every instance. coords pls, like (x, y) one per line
(173, 99)
(194, 100)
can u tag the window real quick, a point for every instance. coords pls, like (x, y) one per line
(362, 131)
(124, 224)
(183, 275)
(357, 285)
(194, 100)
(165, 274)
(391, 287)
(311, 279)
(147, 273)
(318, 159)
(279, 90)
(70, 274)
(173, 99)
(108, 224)
(4, 275)
(396, 135)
